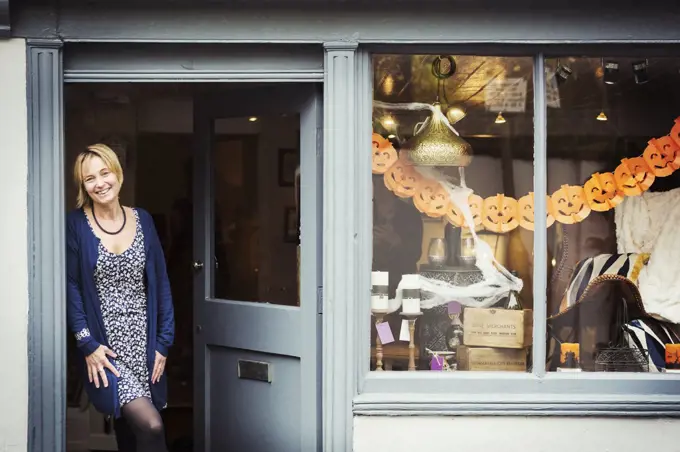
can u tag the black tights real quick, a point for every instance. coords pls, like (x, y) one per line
(140, 429)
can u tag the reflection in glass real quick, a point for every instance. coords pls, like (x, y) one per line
(614, 198)
(256, 210)
(446, 177)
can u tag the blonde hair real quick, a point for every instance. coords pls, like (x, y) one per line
(109, 158)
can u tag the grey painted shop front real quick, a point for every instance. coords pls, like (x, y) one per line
(322, 52)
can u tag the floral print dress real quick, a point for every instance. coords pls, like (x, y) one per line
(122, 296)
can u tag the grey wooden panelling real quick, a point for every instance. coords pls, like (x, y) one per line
(461, 22)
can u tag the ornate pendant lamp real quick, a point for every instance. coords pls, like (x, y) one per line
(436, 144)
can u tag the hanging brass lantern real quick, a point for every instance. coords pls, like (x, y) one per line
(437, 145)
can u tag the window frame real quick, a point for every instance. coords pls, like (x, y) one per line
(497, 393)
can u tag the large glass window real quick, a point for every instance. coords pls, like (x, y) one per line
(453, 213)
(613, 150)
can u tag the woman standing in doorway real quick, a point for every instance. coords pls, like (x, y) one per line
(119, 302)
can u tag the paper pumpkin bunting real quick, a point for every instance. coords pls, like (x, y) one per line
(662, 155)
(633, 176)
(525, 211)
(569, 204)
(384, 154)
(602, 193)
(431, 198)
(499, 214)
(402, 179)
(455, 216)
(675, 131)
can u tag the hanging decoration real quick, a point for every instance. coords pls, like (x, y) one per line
(568, 205)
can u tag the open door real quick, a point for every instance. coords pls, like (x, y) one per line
(257, 338)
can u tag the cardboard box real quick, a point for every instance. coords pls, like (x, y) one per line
(503, 328)
(492, 359)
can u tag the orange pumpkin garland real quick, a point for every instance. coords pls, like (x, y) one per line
(675, 131)
(569, 204)
(431, 198)
(662, 156)
(634, 176)
(384, 154)
(525, 211)
(500, 214)
(602, 193)
(455, 216)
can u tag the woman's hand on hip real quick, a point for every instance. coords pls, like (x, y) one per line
(97, 362)
(158, 368)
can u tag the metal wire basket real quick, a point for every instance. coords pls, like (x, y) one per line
(622, 359)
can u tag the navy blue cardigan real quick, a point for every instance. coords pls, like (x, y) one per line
(85, 317)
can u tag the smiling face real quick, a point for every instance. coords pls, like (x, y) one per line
(662, 156)
(569, 204)
(402, 179)
(525, 211)
(100, 183)
(384, 154)
(455, 216)
(602, 193)
(633, 176)
(500, 214)
(675, 131)
(431, 199)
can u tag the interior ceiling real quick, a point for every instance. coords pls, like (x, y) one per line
(636, 112)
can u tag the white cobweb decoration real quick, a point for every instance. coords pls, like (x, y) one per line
(496, 282)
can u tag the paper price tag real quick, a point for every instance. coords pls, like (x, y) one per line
(384, 333)
(403, 333)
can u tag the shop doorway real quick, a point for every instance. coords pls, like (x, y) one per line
(231, 176)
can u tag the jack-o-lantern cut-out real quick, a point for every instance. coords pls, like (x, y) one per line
(569, 204)
(402, 179)
(633, 176)
(431, 198)
(662, 155)
(407, 185)
(384, 155)
(525, 211)
(499, 214)
(602, 192)
(455, 216)
(675, 131)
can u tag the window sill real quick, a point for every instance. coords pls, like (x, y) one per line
(518, 394)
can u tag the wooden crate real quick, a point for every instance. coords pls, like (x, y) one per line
(492, 359)
(503, 328)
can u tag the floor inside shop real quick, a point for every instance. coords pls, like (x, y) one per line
(150, 127)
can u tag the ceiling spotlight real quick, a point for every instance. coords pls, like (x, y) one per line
(455, 114)
(601, 116)
(611, 72)
(252, 119)
(562, 73)
(640, 71)
(388, 122)
(500, 119)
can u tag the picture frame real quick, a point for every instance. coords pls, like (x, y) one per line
(290, 225)
(288, 163)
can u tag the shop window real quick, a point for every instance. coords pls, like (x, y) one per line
(613, 150)
(452, 164)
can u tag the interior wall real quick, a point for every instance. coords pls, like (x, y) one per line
(14, 246)
(512, 434)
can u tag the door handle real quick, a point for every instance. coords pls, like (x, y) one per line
(198, 265)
